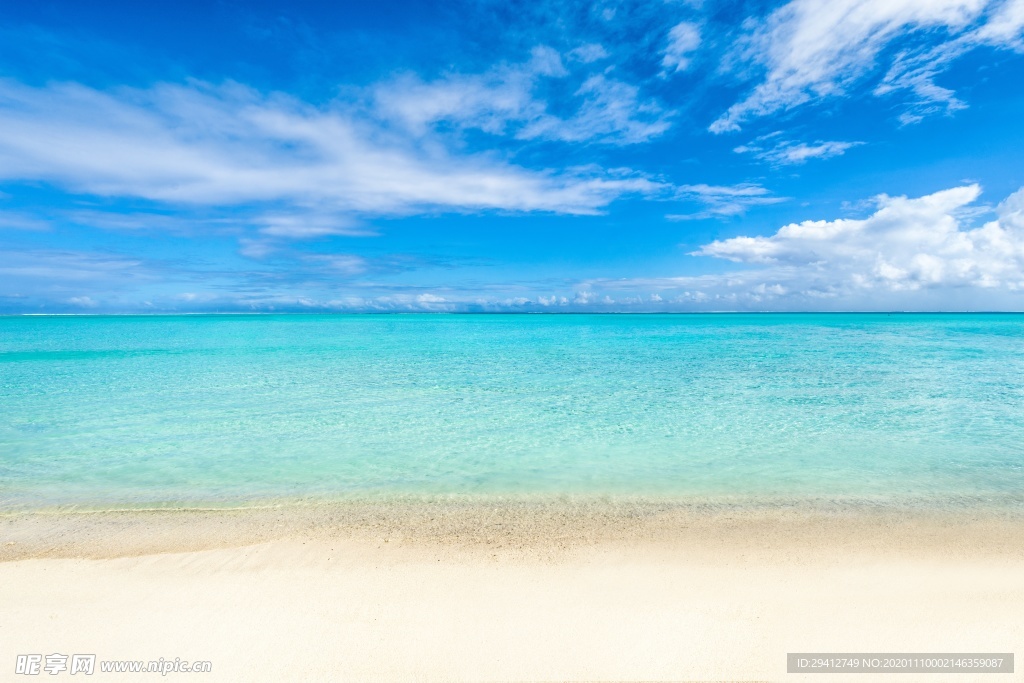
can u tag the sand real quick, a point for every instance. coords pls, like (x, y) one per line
(510, 590)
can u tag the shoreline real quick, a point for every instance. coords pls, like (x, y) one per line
(526, 525)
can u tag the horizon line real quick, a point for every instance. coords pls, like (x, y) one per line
(475, 313)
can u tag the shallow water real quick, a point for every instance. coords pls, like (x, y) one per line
(142, 410)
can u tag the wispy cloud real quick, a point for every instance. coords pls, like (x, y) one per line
(921, 253)
(683, 41)
(303, 225)
(203, 145)
(723, 200)
(810, 49)
(56, 266)
(348, 265)
(779, 152)
(493, 101)
(11, 220)
(591, 52)
(611, 111)
(915, 70)
(503, 101)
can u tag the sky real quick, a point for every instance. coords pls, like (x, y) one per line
(511, 156)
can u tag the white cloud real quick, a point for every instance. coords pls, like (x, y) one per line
(683, 41)
(61, 266)
(611, 111)
(915, 70)
(346, 264)
(305, 225)
(201, 145)
(490, 101)
(906, 245)
(811, 49)
(919, 253)
(134, 221)
(433, 302)
(1004, 25)
(584, 297)
(256, 249)
(296, 223)
(786, 152)
(723, 200)
(502, 101)
(16, 221)
(591, 52)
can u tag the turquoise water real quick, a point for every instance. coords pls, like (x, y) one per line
(171, 410)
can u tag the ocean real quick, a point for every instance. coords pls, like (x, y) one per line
(238, 410)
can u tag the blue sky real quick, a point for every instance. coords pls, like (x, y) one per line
(475, 156)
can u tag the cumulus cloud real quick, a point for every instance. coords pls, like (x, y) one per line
(83, 302)
(584, 297)
(203, 145)
(787, 152)
(921, 253)
(906, 245)
(429, 301)
(810, 49)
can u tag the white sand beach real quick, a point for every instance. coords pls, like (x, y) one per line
(515, 594)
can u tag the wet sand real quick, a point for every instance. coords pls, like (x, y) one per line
(506, 590)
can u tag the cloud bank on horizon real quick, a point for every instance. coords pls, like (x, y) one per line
(608, 156)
